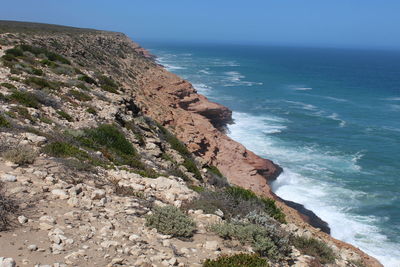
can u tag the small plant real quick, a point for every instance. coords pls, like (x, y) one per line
(4, 122)
(91, 110)
(8, 85)
(40, 83)
(8, 207)
(49, 54)
(16, 52)
(111, 137)
(214, 170)
(78, 95)
(196, 188)
(25, 98)
(64, 115)
(108, 84)
(238, 260)
(315, 248)
(21, 155)
(63, 150)
(23, 113)
(87, 79)
(254, 234)
(169, 220)
(191, 167)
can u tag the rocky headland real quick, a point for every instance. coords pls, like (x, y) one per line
(100, 145)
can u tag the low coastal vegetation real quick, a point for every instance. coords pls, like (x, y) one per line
(8, 208)
(169, 220)
(238, 260)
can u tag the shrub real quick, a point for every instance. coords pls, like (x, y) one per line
(236, 201)
(268, 205)
(78, 95)
(21, 155)
(111, 137)
(4, 122)
(91, 110)
(211, 201)
(196, 188)
(44, 98)
(23, 112)
(9, 58)
(40, 83)
(238, 260)
(214, 170)
(108, 84)
(8, 85)
(173, 141)
(63, 150)
(64, 115)
(16, 52)
(253, 234)
(87, 79)
(82, 86)
(169, 220)
(315, 248)
(49, 54)
(191, 167)
(25, 98)
(8, 207)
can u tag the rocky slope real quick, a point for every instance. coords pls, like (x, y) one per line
(86, 158)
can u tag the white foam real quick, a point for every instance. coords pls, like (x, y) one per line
(335, 116)
(202, 88)
(392, 99)
(235, 78)
(302, 105)
(318, 194)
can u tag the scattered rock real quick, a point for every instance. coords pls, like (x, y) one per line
(8, 178)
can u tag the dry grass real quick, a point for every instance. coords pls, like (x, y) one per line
(21, 155)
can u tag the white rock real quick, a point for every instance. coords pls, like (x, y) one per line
(8, 178)
(22, 219)
(133, 237)
(211, 245)
(32, 247)
(61, 194)
(98, 194)
(48, 219)
(7, 262)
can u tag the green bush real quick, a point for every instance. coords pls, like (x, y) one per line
(269, 205)
(87, 79)
(315, 248)
(214, 170)
(111, 137)
(4, 122)
(169, 220)
(40, 83)
(108, 84)
(191, 167)
(9, 58)
(253, 234)
(24, 98)
(21, 155)
(78, 95)
(8, 85)
(64, 115)
(16, 52)
(49, 54)
(91, 110)
(63, 150)
(238, 260)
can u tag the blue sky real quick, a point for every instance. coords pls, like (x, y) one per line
(335, 23)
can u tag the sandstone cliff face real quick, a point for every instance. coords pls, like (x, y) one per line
(144, 88)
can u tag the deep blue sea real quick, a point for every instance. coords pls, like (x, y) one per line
(329, 117)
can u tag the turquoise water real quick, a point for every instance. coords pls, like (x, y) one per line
(329, 117)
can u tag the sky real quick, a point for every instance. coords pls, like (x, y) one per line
(321, 23)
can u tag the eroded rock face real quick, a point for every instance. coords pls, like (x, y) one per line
(199, 123)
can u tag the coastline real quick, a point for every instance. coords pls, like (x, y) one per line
(166, 91)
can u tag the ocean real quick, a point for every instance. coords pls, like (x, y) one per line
(329, 117)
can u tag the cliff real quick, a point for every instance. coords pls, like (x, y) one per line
(88, 123)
